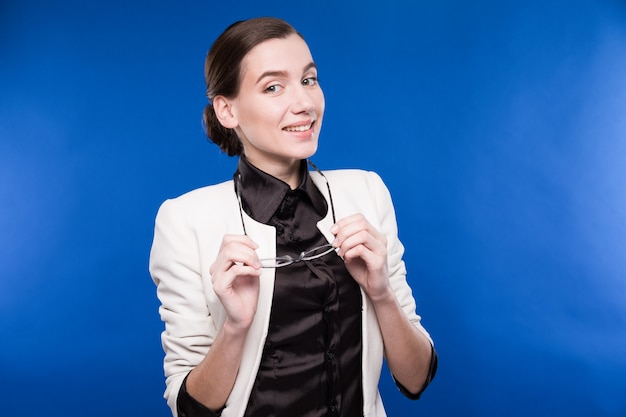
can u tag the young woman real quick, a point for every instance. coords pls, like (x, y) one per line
(282, 289)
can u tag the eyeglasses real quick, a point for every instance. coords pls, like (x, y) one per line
(307, 255)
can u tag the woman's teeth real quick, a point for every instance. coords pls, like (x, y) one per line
(302, 128)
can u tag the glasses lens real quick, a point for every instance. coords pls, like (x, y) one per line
(317, 252)
(276, 262)
(305, 256)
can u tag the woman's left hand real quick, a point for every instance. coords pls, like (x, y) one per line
(364, 250)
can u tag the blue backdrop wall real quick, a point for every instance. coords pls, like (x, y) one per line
(499, 127)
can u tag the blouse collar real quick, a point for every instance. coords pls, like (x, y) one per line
(262, 193)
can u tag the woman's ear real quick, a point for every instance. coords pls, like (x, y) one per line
(224, 112)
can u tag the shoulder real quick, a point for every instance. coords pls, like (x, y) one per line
(346, 176)
(198, 201)
(358, 191)
(203, 193)
(355, 180)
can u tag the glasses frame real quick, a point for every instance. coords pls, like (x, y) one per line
(308, 255)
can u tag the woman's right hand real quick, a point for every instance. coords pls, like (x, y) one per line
(235, 275)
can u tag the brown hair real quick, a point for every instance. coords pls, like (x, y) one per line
(222, 70)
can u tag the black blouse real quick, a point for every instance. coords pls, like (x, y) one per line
(311, 363)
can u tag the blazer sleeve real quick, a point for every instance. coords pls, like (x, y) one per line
(175, 268)
(397, 270)
(386, 217)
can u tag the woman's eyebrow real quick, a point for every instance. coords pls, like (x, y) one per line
(284, 74)
(309, 67)
(281, 74)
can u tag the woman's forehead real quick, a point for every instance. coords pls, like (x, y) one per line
(280, 55)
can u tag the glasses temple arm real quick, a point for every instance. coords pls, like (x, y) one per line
(330, 195)
(237, 186)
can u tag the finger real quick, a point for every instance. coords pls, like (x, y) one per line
(345, 221)
(347, 227)
(238, 239)
(240, 270)
(227, 282)
(354, 226)
(236, 256)
(361, 244)
(235, 250)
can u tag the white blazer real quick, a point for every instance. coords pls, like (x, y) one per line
(187, 238)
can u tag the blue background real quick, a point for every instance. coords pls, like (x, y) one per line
(499, 127)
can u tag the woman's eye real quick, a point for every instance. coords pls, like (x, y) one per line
(273, 88)
(311, 81)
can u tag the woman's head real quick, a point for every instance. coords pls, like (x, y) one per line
(223, 72)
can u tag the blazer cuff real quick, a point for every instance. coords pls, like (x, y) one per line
(432, 370)
(187, 406)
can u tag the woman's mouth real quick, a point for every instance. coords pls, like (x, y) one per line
(299, 128)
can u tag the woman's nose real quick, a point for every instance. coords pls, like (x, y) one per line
(303, 100)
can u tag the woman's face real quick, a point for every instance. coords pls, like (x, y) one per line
(280, 104)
